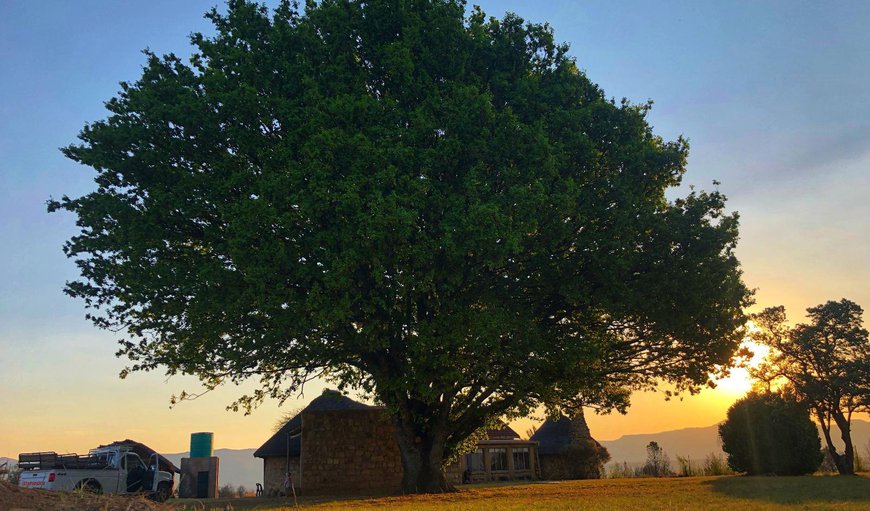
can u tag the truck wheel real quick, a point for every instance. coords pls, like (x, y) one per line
(162, 492)
(89, 486)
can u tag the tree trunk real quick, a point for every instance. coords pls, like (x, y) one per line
(846, 462)
(422, 459)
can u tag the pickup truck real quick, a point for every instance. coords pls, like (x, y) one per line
(108, 469)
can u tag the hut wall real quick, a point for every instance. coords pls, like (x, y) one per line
(349, 451)
(274, 470)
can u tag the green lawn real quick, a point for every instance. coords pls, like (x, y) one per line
(732, 493)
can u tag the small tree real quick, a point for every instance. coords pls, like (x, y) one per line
(825, 364)
(658, 463)
(241, 491)
(768, 434)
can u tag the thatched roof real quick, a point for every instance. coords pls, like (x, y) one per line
(504, 432)
(277, 444)
(553, 435)
(145, 453)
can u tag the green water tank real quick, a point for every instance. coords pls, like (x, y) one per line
(201, 445)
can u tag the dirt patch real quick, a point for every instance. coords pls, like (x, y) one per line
(13, 498)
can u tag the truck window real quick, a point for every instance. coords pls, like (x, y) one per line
(133, 462)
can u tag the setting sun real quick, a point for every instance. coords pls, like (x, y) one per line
(738, 382)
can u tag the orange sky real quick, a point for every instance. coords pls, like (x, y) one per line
(47, 419)
(79, 402)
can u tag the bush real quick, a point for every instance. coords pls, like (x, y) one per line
(620, 471)
(715, 465)
(767, 434)
(577, 461)
(686, 467)
(860, 462)
(828, 464)
(227, 491)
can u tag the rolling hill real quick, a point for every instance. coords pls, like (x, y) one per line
(697, 443)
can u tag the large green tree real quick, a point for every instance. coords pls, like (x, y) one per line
(824, 363)
(438, 209)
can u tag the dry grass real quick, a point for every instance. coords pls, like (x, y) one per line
(26, 499)
(734, 493)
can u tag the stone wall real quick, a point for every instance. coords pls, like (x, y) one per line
(274, 469)
(349, 451)
(190, 470)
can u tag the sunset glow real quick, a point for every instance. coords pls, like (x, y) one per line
(738, 382)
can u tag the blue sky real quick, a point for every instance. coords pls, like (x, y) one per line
(773, 97)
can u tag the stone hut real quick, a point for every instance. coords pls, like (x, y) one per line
(334, 445)
(568, 451)
(337, 445)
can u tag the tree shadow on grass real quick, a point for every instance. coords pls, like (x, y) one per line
(795, 490)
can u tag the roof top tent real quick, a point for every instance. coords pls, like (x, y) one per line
(146, 453)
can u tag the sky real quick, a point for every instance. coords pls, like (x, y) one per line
(772, 96)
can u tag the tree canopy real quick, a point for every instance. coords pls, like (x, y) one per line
(766, 433)
(433, 207)
(824, 363)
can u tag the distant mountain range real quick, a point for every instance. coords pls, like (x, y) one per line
(697, 443)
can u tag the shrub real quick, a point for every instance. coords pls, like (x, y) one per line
(227, 491)
(578, 461)
(686, 467)
(715, 465)
(620, 471)
(768, 434)
(828, 464)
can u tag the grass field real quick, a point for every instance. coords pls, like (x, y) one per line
(733, 493)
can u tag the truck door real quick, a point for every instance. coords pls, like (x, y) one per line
(135, 472)
(109, 476)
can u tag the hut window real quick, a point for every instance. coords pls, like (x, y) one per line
(474, 461)
(498, 459)
(521, 458)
